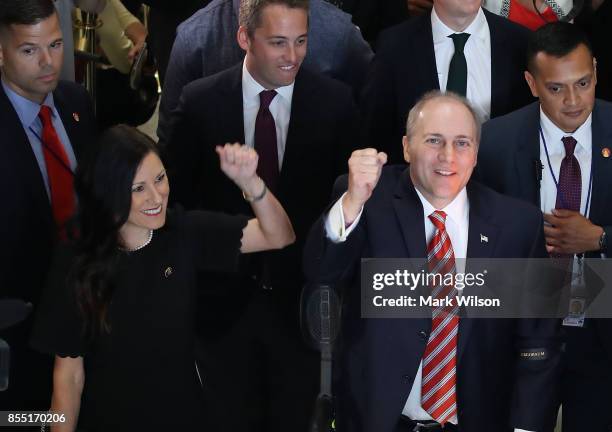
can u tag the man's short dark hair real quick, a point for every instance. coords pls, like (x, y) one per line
(25, 12)
(556, 39)
(250, 11)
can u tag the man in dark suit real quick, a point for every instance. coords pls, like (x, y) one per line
(37, 171)
(458, 46)
(302, 125)
(526, 154)
(441, 372)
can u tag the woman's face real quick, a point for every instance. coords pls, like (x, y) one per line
(150, 191)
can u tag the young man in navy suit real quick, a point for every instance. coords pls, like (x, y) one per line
(302, 125)
(425, 374)
(37, 171)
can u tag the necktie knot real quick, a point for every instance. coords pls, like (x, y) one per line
(438, 218)
(265, 98)
(459, 39)
(570, 145)
(45, 114)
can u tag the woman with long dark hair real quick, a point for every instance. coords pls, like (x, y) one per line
(118, 313)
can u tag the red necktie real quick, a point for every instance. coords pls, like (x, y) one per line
(438, 395)
(570, 179)
(58, 171)
(265, 141)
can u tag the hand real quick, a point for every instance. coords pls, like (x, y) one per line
(570, 233)
(365, 167)
(239, 163)
(137, 33)
(419, 7)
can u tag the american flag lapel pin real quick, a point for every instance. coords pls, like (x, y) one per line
(484, 238)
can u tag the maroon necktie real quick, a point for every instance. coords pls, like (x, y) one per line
(265, 141)
(58, 171)
(438, 394)
(570, 179)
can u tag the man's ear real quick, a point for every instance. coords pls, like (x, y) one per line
(594, 70)
(531, 83)
(243, 38)
(406, 146)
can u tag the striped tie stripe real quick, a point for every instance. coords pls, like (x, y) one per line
(438, 395)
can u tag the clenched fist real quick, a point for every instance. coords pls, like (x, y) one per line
(239, 163)
(365, 167)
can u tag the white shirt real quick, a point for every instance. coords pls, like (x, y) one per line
(280, 108)
(477, 54)
(556, 151)
(457, 227)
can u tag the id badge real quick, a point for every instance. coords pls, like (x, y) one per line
(577, 303)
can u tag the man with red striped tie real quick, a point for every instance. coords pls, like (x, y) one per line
(442, 372)
(44, 124)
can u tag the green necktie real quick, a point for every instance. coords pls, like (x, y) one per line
(457, 72)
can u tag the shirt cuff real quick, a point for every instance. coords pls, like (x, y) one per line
(335, 227)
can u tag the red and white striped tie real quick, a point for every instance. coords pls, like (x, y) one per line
(438, 396)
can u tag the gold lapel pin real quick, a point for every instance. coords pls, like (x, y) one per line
(168, 272)
(76, 117)
(605, 152)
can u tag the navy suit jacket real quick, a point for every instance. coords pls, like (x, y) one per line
(508, 161)
(28, 231)
(404, 69)
(379, 358)
(320, 139)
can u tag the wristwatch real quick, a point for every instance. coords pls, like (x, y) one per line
(603, 242)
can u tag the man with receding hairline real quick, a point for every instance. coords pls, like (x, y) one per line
(445, 373)
(45, 123)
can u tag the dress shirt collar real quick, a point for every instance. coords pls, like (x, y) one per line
(553, 135)
(251, 88)
(27, 111)
(441, 32)
(456, 211)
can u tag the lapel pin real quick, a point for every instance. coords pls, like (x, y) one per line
(168, 272)
(605, 152)
(484, 238)
(75, 116)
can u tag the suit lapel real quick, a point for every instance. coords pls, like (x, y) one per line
(70, 120)
(423, 44)
(482, 240)
(601, 166)
(15, 145)
(527, 157)
(409, 212)
(501, 63)
(302, 102)
(233, 107)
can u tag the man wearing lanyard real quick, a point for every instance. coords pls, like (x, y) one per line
(557, 153)
(44, 124)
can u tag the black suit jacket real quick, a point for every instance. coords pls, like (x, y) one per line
(404, 69)
(508, 161)
(27, 229)
(320, 139)
(380, 357)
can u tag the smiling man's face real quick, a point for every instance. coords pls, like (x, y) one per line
(442, 150)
